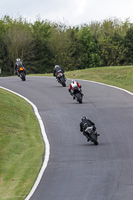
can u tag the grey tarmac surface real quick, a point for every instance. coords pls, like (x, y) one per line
(78, 170)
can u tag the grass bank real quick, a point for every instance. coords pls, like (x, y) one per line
(21, 147)
(118, 76)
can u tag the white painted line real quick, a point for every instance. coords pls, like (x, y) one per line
(108, 86)
(45, 139)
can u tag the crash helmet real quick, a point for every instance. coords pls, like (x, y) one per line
(56, 66)
(18, 59)
(73, 81)
(83, 118)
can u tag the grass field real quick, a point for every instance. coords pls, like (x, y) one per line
(118, 76)
(21, 147)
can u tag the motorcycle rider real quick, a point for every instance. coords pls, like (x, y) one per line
(74, 84)
(19, 64)
(85, 122)
(58, 69)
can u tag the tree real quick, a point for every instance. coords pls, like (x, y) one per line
(2, 45)
(112, 50)
(43, 44)
(59, 44)
(18, 40)
(110, 36)
(73, 53)
(89, 50)
(43, 55)
(129, 45)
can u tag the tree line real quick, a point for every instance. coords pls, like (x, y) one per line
(43, 44)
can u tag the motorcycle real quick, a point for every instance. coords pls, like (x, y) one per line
(92, 135)
(22, 74)
(61, 79)
(77, 94)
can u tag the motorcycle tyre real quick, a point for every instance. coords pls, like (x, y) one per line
(94, 139)
(62, 82)
(23, 76)
(78, 97)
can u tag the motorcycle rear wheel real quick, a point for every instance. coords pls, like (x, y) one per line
(22, 76)
(63, 82)
(94, 139)
(79, 97)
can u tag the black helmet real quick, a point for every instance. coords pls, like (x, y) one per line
(83, 118)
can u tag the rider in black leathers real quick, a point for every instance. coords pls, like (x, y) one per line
(19, 64)
(87, 123)
(58, 69)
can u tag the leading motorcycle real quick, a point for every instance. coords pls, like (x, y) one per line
(92, 135)
(22, 74)
(61, 79)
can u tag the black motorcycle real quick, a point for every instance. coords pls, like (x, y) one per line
(78, 95)
(21, 73)
(61, 79)
(92, 135)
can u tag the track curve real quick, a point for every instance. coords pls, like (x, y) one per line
(77, 169)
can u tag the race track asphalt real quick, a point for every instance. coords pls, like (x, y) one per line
(78, 170)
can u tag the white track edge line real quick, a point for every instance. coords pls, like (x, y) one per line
(115, 87)
(45, 139)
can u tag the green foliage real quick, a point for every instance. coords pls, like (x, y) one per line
(110, 36)
(112, 50)
(43, 56)
(129, 45)
(72, 62)
(89, 52)
(64, 45)
(43, 44)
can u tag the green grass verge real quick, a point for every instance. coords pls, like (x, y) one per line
(21, 147)
(117, 76)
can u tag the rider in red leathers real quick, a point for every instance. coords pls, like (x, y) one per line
(72, 87)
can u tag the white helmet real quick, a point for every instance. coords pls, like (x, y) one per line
(73, 81)
(56, 66)
(18, 59)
